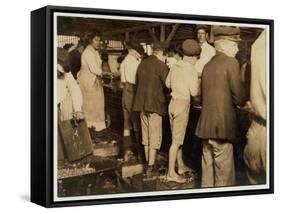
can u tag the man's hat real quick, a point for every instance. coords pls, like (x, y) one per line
(135, 46)
(226, 32)
(190, 47)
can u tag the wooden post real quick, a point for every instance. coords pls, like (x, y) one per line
(127, 37)
(162, 33)
(211, 35)
(172, 33)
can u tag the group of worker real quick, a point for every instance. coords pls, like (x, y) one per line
(200, 70)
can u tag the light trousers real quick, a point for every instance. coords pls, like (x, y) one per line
(217, 164)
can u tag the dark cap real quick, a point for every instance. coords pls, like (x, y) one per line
(160, 46)
(190, 47)
(204, 27)
(226, 32)
(135, 46)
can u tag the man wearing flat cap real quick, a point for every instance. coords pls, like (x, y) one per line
(183, 81)
(222, 90)
(208, 51)
(151, 103)
(128, 71)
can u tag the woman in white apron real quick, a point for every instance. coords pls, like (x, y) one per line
(89, 78)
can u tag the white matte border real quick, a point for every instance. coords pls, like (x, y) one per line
(155, 193)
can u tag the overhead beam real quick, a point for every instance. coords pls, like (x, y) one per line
(162, 33)
(131, 29)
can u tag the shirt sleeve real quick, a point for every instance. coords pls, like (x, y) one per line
(205, 57)
(236, 86)
(168, 80)
(74, 91)
(194, 83)
(92, 62)
(129, 70)
(132, 67)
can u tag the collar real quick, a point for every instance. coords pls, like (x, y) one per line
(187, 60)
(156, 57)
(132, 57)
(205, 44)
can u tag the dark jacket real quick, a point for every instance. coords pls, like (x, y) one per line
(150, 84)
(75, 62)
(222, 91)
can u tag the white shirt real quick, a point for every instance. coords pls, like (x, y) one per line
(128, 69)
(207, 52)
(183, 80)
(69, 85)
(258, 76)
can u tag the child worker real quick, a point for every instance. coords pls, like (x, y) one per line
(183, 82)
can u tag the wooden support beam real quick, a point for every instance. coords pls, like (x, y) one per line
(172, 33)
(162, 33)
(127, 37)
(131, 29)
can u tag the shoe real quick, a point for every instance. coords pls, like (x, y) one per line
(100, 134)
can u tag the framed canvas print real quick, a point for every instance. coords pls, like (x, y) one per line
(134, 106)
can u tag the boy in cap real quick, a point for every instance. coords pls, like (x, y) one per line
(183, 81)
(151, 103)
(128, 69)
(222, 91)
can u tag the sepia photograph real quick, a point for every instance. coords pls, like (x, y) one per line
(151, 106)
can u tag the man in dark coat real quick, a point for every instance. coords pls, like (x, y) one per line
(150, 101)
(222, 91)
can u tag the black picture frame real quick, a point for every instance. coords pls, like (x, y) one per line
(42, 105)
